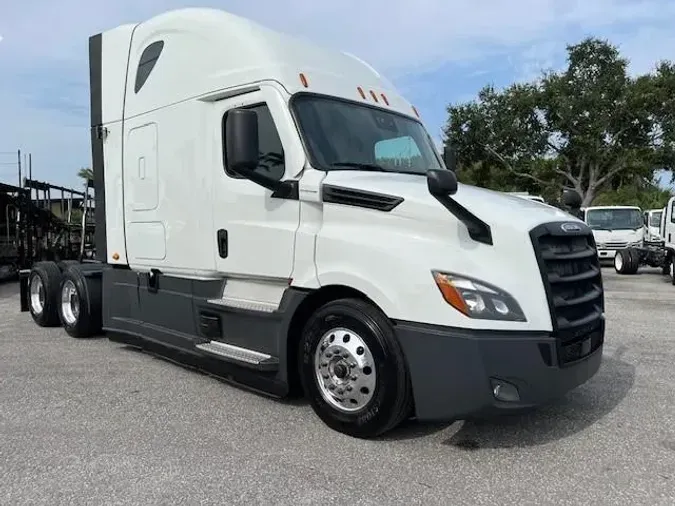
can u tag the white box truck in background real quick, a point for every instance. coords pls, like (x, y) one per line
(653, 224)
(615, 228)
(276, 214)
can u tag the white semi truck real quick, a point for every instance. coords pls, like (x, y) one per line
(276, 214)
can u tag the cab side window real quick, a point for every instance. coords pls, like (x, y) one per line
(271, 155)
(672, 212)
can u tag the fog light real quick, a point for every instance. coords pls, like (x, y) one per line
(504, 391)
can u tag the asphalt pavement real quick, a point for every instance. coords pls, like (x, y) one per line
(92, 422)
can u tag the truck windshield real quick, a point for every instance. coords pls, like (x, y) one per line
(614, 219)
(655, 219)
(341, 135)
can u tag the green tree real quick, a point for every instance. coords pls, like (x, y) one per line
(584, 127)
(640, 192)
(86, 173)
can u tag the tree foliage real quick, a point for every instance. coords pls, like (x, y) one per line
(586, 127)
(86, 173)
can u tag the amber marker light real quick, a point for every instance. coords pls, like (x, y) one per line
(450, 293)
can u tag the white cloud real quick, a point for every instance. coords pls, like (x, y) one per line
(44, 54)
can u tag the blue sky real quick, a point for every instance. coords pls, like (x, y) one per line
(435, 51)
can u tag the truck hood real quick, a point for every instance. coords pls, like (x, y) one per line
(494, 208)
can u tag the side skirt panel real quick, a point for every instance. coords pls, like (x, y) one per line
(171, 317)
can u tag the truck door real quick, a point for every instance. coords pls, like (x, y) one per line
(254, 233)
(669, 224)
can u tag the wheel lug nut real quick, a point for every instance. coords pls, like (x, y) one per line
(349, 389)
(352, 364)
(340, 391)
(354, 378)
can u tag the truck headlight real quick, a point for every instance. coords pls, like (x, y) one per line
(477, 299)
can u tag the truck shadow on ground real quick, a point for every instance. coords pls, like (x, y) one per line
(577, 411)
(8, 288)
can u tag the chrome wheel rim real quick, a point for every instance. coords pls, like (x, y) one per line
(345, 370)
(70, 303)
(37, 294)
(618, 261)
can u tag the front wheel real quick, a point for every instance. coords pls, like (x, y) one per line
(353, 370)
(621, 261)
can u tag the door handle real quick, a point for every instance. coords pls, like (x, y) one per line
(221, 238)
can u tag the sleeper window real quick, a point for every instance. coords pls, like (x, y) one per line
(147, 63)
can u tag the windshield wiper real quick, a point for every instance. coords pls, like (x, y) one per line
(360, 166)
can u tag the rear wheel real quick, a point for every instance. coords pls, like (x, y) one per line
(353, 370)
(80, 308)
(43, 293)
(634, 256)
(621, 261)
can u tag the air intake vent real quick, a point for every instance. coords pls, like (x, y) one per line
(360, 198)
(573, 282)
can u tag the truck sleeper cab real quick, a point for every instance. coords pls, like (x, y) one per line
(278, 216)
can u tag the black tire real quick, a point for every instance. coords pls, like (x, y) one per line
(49, 275)
(622, 261)
(634, 256)
(87, 319)
(665, 268)
(391, 401)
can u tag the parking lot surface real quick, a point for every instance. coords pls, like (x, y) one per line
(93, 422)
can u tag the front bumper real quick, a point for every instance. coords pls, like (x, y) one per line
(453, 371)
(606, 254)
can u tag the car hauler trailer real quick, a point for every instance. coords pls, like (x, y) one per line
(276, 214)
(37, 227)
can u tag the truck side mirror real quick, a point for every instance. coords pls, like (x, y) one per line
(571, 199)
(241, 141)
(450, 158)
(441, 182)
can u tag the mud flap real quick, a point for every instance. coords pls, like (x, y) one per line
(23, 289)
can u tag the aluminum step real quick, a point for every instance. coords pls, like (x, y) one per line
(248, 305)
(242, 356)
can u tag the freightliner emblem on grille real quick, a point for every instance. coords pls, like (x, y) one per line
(570, 227)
